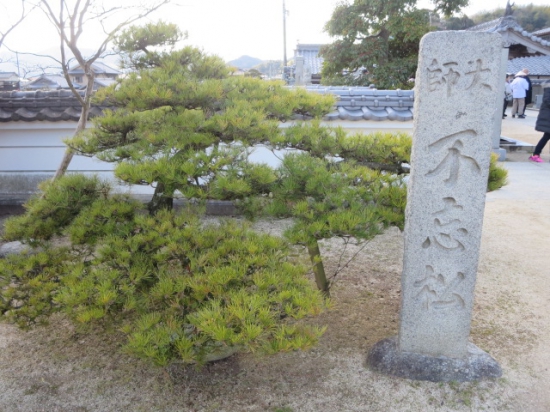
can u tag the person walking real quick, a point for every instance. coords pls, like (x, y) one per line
(542, 125)
(529, 92)
(519, 90)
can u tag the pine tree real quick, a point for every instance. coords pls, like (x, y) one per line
(187, 127)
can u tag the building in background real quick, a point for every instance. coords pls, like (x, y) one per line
(50, 82)
(307, 65)
(525, 50)
(104, 75)
(9, 81)
(518, 41)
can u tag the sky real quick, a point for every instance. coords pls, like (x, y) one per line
(227, 28)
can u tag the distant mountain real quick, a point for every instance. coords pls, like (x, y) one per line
(244, 62)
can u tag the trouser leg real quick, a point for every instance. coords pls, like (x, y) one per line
(521, 106)
(542, 142)
(514, 106)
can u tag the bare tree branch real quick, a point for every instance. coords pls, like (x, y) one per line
(24, 13)
(35, 54)
(30, 69)
(71, 25)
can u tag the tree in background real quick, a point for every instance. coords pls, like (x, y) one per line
(71, 19)
(253, 73)
(458, 23)
(377, 41)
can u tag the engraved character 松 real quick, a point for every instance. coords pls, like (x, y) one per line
(437, 292)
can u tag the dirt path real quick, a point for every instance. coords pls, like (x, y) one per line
(58, 368)
(517, 276)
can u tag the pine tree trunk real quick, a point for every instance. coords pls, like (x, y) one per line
(318, 268)
(163, 198)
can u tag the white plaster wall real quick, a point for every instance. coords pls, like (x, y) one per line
(39, 147)
(31, 152)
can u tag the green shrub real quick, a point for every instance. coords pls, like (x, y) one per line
(28, 284)
(49, 213)
(104, 217)
(497, 175)
(177, 288)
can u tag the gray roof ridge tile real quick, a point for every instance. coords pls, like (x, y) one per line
(353, 103)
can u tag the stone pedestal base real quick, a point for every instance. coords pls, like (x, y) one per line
(385, 358)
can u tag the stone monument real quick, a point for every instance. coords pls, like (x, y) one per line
(457, 101)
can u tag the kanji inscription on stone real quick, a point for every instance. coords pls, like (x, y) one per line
(457, 82)
(457, 109)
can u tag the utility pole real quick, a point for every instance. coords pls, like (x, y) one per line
(285, 11)
(18, 71)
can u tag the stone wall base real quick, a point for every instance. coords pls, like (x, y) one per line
(385, 358)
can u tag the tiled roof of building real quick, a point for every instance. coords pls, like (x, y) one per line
(364, 103)
(97, 67)
(354, 103)
(537, 65)
(8, 76)
(542, 32)
(507, 23)
(494, 24)
(54, 105)
(50, 81)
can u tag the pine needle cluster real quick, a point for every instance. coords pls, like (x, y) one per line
(178, 289)
(47, 215)
(186, 127)
(498, 176)
(188, 130)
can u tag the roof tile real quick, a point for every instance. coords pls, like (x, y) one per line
(353, 103)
